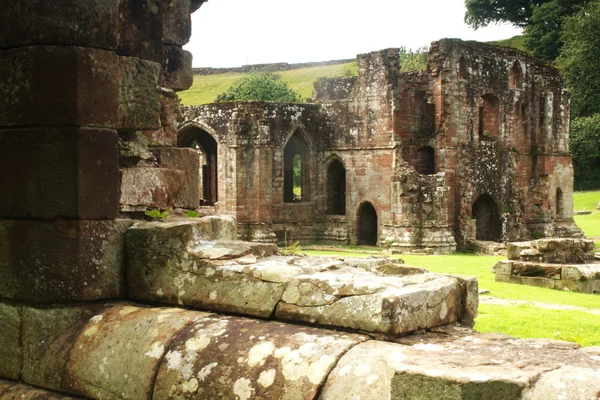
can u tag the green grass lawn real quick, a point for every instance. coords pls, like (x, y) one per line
(205, 88)
(588, 201)
(522, 321)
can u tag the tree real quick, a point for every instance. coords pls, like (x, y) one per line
(262, 87)
(414, 60)
(585, 147)
(542, 20)
(580, 60)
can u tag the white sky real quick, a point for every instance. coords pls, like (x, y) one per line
(231, 33)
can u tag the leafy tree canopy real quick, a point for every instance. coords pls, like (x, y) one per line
(262, 87)
(414, 60)
(585, 146)
(580, 60)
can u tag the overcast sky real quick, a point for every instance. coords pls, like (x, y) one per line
(231, 33)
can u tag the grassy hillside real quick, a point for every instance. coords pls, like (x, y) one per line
(206, 87)
(516, 42)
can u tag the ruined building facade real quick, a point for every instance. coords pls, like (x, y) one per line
(474, 148)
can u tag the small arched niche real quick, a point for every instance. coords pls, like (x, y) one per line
(560, 203)
(206, 146)
(336, 188)
(488, 225)
(463, 72)
(425, 160)
(516, 75)
(367, 224)
(295, 163)
(489, 116)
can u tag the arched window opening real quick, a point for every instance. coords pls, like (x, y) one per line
(462, 68)
(206, 146)
(516, 75)
(367, 225)
(560, 205)
(295, 174)
(425, 160)
(524, 117)
(336, 188)
(489, 116)
(488, 225)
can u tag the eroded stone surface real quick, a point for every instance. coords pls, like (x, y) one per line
(11, 349)
(18, 391)
(143, 188)
(222, 357)
(118, 352)
(466, 367)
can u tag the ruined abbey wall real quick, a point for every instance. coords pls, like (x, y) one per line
(474, 148)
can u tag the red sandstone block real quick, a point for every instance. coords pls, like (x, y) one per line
(59, 172)
(62, 260)
(177, 69)
(58, 86)
(177, 21)
(187, 161)
(89, 23)
(143, 188)
(141, 29)
(139, 96)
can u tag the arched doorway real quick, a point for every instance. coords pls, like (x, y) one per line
(206, 146)
(367, 225)
(295, 174)
(336, 188)
(488, 224)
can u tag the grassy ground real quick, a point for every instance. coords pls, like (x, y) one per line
(519, 320)
(205, 88)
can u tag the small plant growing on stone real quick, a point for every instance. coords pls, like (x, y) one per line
(192, 214)
(155, 213)
(289, 249)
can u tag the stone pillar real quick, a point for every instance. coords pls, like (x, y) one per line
(77, 77)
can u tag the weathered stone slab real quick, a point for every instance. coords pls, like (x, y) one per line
(177, 69)
(567, 383)
(222, 357)
(513, 249)
(63, 260)
(18, 391)
(59, 23)
(141, 29)
(548, 271)
(11, 348)
(186, 160)
(139, 96)
(177, 22)
(86, 79)
(117, 354)
(565, 250)
(48, 335)
(55, 168)
(469, 367)
(359, 300)
(143, 188)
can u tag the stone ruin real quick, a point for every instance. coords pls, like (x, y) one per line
(568, 264)
(97, 305)
(473, 149)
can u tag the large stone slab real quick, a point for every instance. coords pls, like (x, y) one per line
(62, 260)
(143, 188)
(468, 367)
(223, 357)
(18, 391)
(186, 160)
(139, 96)
(11, 348)
(118, 352)
(553, 250)
(363, 301)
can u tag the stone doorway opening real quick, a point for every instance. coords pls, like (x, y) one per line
(336, 188)
(488, 224)
(367, 225)
(295, 174)
(425, 163)
(206, 146)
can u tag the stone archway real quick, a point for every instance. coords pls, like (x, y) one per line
(488, 225)
(206, 145)
(367, 225)
(336, 188)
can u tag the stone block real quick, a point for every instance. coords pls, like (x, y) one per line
(58, 86)
(62, 260)
(19, 391)
(59, 172)
(48, 337)
(177, 69)
(11, 348)
(227, 357)
(383, 304)
(503, 267)
(186, 160)
(138, 97)
(118, 352)
(567, 383)
(169, 114)
(86, 23)
(539, 270)
(141, 29)
(177, 22)
(143, 188)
